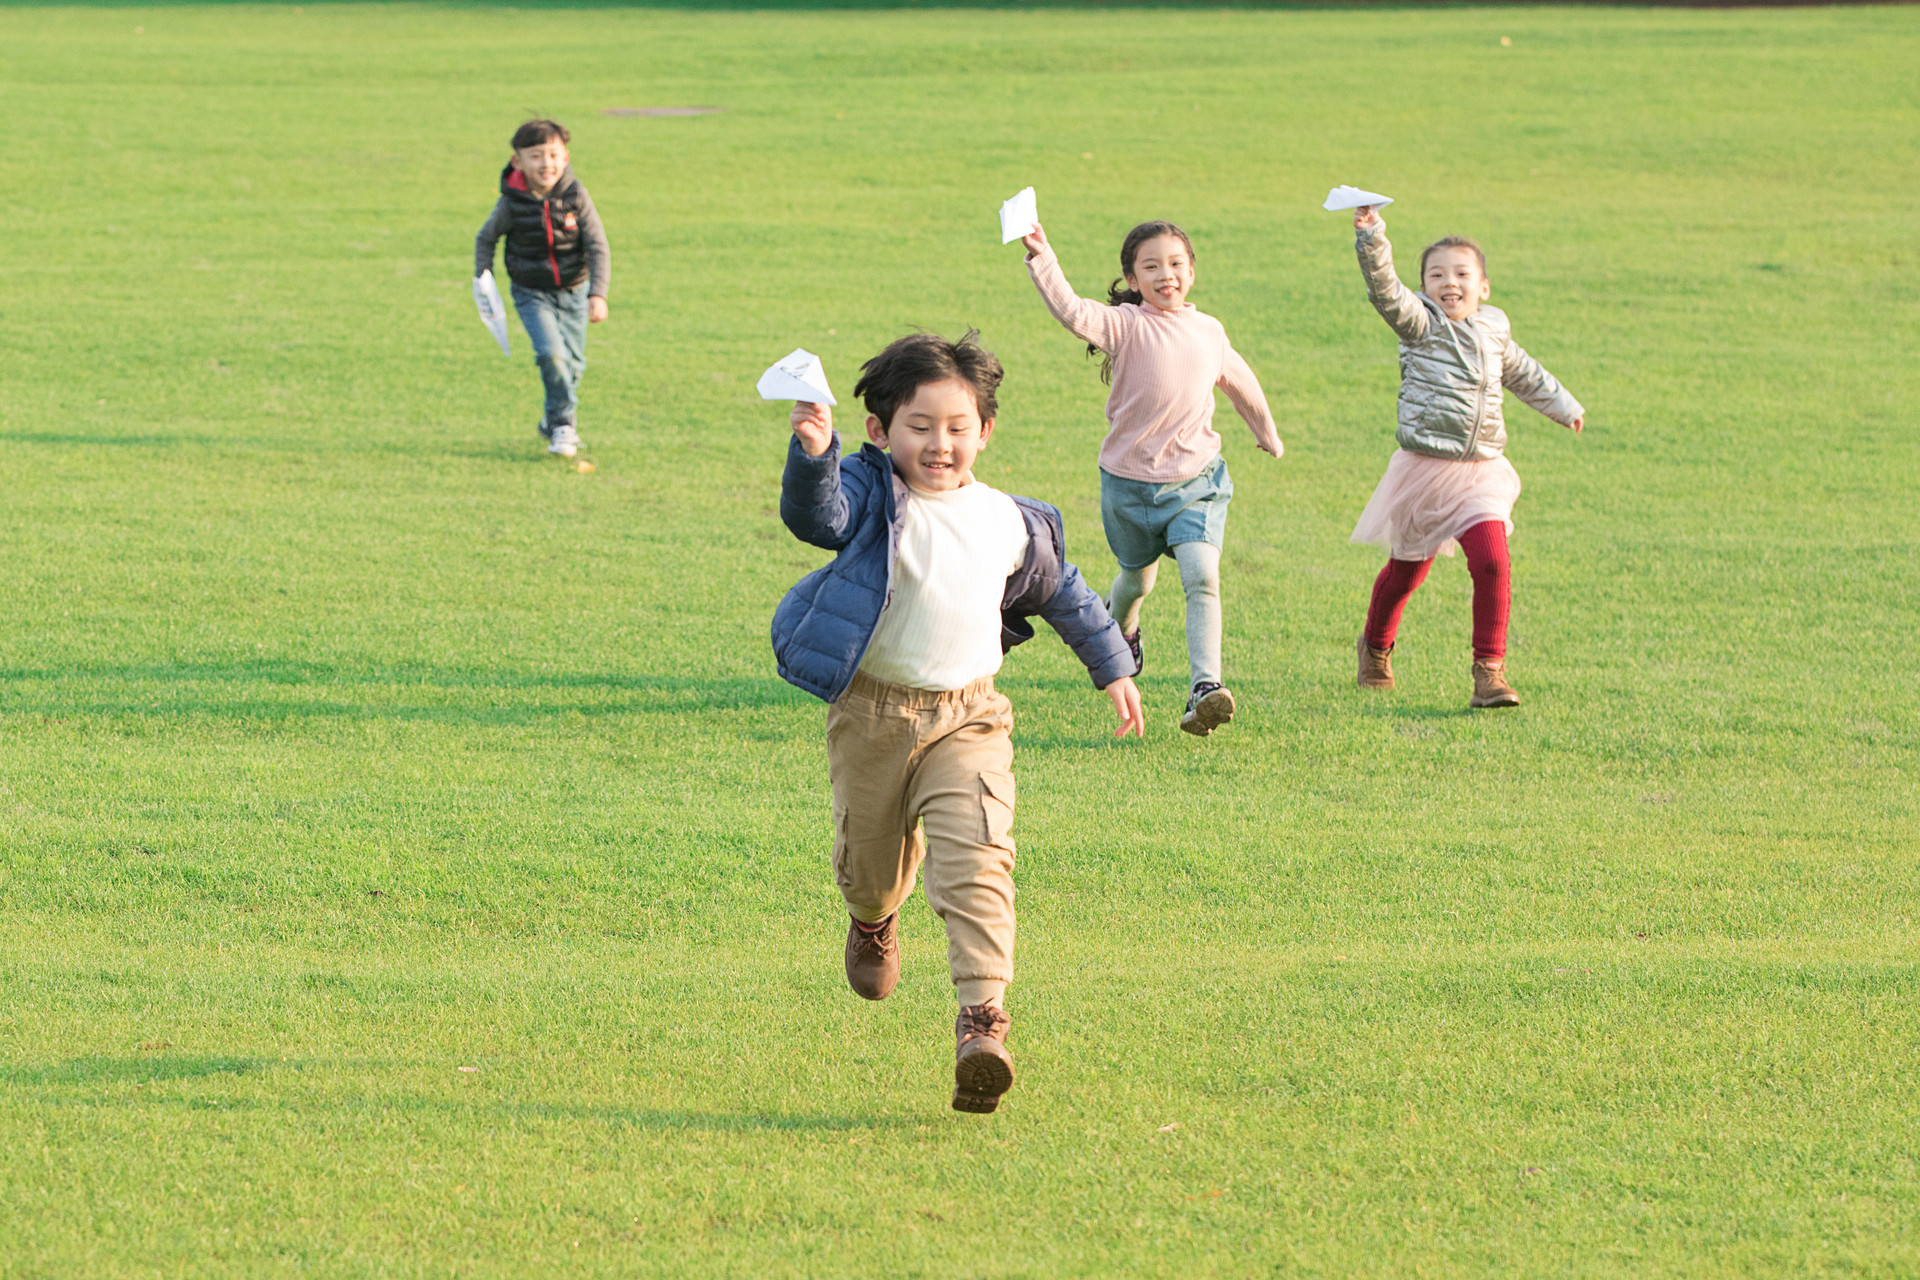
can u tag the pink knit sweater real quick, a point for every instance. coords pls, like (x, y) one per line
(1165, 367)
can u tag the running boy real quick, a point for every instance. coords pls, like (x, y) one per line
(935, 576)
(558, 261)
(1449, 483)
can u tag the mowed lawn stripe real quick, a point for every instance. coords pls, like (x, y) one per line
(412, 864)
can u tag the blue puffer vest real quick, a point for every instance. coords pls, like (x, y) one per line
(822, 628)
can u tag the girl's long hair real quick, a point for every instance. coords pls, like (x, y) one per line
(1117, 292)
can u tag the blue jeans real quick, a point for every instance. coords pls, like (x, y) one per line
(556, 322)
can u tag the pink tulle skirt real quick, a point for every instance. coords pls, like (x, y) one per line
(1423, 504)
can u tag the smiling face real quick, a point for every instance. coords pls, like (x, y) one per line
(1162, 272)
(935, 435)
(1454, 278)
(542, 165)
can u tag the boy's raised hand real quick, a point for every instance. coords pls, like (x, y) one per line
(1035, 240)
(1365, 217)
(1126, 701)
(1578, 425)
(813, 425)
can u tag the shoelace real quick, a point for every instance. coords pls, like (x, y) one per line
(978, 1023)
(875, 940)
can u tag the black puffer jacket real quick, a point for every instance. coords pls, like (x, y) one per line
(552, 243)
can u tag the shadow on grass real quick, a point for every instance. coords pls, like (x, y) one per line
(701, 1121)
(77, 438)
(95, 1070)
(636, 694)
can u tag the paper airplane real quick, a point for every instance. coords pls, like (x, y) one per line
(1344, 197)
(1019, 216)
(796, 377)
(486, 296)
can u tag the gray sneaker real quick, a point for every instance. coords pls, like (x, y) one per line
(566, 441)
(1210, 707)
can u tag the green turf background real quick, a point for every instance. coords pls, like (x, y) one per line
(347, 740)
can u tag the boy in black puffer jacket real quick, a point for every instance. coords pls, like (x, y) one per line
(558, 261)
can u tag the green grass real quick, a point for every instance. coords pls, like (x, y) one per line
(346, 740)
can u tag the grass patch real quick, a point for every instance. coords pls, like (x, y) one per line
(412, 865)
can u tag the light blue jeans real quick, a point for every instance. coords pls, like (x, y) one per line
(556, 323)
(1200, 577)
(1186, 519)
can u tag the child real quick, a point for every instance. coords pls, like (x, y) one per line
(1449, 482)
(558, 261)
(935, 576)
(1164, 487)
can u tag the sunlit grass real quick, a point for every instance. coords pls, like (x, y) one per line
(410, 863)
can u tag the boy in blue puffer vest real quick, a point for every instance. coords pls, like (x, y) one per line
(936, 575)
(559, 263)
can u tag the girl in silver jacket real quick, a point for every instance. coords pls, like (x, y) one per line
(1449, 484)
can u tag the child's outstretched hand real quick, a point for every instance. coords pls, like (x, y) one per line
(1578, 425)
(813, 424)
(596, 309)
(1035, 240)
(1365, 217)
(1126, 701)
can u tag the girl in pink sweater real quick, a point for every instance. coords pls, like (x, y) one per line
(1164, 487)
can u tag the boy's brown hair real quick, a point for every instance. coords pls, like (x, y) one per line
(536, 133)
(1452, 242)
(890, 379)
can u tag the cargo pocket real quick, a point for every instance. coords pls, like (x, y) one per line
(996, 804)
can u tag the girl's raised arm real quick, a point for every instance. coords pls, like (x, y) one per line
(1086, 319)
(1398, 305)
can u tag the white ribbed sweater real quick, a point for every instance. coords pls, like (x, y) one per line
(941, 630)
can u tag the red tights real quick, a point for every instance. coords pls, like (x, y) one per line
(1486, 548)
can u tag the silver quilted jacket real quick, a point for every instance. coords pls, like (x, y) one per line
(1451, 371)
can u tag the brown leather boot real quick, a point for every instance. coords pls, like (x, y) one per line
(1376, 665)
(1490, 687)
(982, 1067)
(873, 958)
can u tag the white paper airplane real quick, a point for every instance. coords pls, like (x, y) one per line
(1019, 216)
(796, 377)
(486, 296)
(1344, 197)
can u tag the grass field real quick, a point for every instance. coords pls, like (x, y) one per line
(348, 742)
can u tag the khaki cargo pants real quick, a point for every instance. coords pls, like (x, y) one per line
(903, 758)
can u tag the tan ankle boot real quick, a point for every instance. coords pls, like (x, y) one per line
(1490, 687)
(873, 958)
(1376, 665)
(982, 1067)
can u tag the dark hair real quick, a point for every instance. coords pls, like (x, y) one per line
(1452, 242)
(1117, 292)
(537, 133)
(890, 379)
